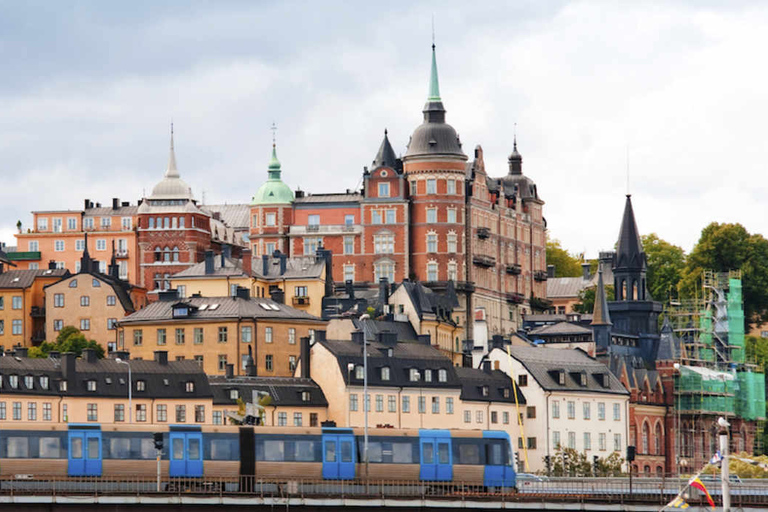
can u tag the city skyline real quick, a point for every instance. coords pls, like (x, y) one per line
(93, 119)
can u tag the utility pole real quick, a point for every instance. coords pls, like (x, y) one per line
(724, 465)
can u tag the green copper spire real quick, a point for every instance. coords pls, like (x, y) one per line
(274, 165)
(434, 86)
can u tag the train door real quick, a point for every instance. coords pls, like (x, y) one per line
(186, 453)
(338, 454)
(84, 450)
(435, 455)
(498, 470)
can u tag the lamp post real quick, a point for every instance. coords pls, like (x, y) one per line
(678, 434)
(130, 389)
(365, 394)
(350, 367)
(724, 463)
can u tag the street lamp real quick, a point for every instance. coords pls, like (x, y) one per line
(365, 393)
(350, 367)
(130, 389)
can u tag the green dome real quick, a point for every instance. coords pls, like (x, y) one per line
(274, 191)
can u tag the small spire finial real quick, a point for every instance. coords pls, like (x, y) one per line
(433, 32)
(274, 133)
(628, 191)
(385, 132)
(514, 139)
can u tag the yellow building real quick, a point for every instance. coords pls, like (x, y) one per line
(299, 282)
(216, 331)
(22, 305)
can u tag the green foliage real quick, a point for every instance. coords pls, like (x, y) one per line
(666, 265)
(724, 247)
(586, 302)
(569, 462)
(566, 264)
(70, 339)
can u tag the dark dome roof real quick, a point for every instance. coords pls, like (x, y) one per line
(434, 136)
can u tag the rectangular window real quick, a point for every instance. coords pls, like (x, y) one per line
(531, 443)
(181, 414)
(383, 189)
(180, 336)
(268, 364)
(270, 219)
(587, 410)
(422, 405)
(600, 410)
(199, 414)
(406, 404)
(93, 412)
(572, 440)
(449, 405)
(138, 337)
(435, 405)
(267, 335)
(246, 334)
(450, 186)
(601, 441)
(222, 362)
(291, 335)
(222, 334)
(431, 242)
(297, 419)
(2, 326)
(452, 243)
(106, 222)
(42, 224)
(101, 244)
(478, 416)
(530, 412)
(349, 245)
(375, 216)
(349, 220)
(71, 223)
(119, 412)
(392, 403)
(46, 411)
(349, 273)
(32, 411)
(556, 439)
(282, 419)
(85, 301)
(17, 411)
(58, 245)
(162, 413)
(126, 223)
(467, 416)
(494, 417)
(571, 410)
(313, 220)
(33, 246)
(384, 244)
(85, 324)
(617, 412)
(161, 336)
(353, 402)
(16, 302)
(198, 335)
(431, 215)
(391, 217)
(587, 441)
(379, 403)
(431, 186)
(311, 244)
(217, 418)
(432, 270)
(617, 443)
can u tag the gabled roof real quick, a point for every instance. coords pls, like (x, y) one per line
(231, 268)
(425, 300)
(473, 380)
(122, 289)
(545, 365)
(404, 330)
(236, 216)
(283, 391)
(24, 278)
(297, 267)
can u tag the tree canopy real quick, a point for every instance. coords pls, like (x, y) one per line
(70, 339)
(586, 302)
(666, 264)
(566, 264)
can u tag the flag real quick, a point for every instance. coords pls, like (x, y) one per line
(716, 458)
(696, 483)
(678, 502)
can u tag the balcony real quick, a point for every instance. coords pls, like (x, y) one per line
(459, 286)
(23, 256)
(301, 301)
(37, 312)
(515, 298)
(482, 260)
(483, 233)
(514, 269)
(325, 229)
(121, 254)
(540, 275)
(38, 337)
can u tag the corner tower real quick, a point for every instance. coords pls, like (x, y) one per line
(434, 167)
(271, 212)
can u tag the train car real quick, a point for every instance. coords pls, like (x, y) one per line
(228, 453)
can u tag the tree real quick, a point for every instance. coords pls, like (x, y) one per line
(566, 264)
(586, 302)
(569, 462)
(666, 265)
(70, 339)
(724, 247)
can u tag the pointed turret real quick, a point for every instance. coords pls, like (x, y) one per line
(669, 344)
(386, 155)
(629, 252)
(274, 170)
(600, 313)
(515, 160)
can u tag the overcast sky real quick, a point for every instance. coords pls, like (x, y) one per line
(88, 90)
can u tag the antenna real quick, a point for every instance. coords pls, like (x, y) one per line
(433, 31)
(514, 131)
(274, 132)
(628, 192)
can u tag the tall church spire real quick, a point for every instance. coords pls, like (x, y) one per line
(172, 172)
(629, 252)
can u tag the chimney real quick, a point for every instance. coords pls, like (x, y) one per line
(250, 368)
(123, 355)
(20, 351)
(51, 265)
(68, 370)
(350, 288)
(86, 204)
(387, 338)
(161, 357)
(243, 293)
(487, 367)
(53, 354)
(229, 371)
(383, 292)
(320, 335)
(265, 264)
(208, 262)
(585, 270)
(89, 355)
(327, 256)
(358, 337)
(304, 355)
(299, 193)
(283, 262)
(277, 295)
(115, 203)
(247, 261)
(94, 266)
(125, 203)
(168, 295)
(425, 339)
(550, 271)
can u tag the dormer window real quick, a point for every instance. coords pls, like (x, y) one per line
(166, 382)
(427, 375)
(62, 385)
(108, 380)
(484, 390)
(234, 394)
(141, 385)
(305, 396)
(385, 373)
(29, 381)
(189, 387)
(180, 310)
(561, 377)
(91, 385)
(359, 372)
(505, 392)
(442, 375)
(414, 375)
(583, 379)
(390, 352)
(13, 381)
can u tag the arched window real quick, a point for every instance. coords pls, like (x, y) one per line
(175, 254)
(647, 470)
(646, 436)
(657, 439)
(166, 254)
(158, 254)
(623, 289)
(151, 223)
(635, 296)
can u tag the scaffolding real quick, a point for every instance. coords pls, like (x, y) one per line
(714, 378)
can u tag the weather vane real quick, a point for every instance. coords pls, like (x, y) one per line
(274, 132)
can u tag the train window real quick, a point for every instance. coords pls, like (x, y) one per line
(178, 448)
(330, 451)
(442, 453)
(93, 448)
(300, 451)
(221, 449)
(18, 447)
(194, 448)
(76, 448)
(147, 448)
(427, 453)
(119, 448)
(495, 454)
(50, 448)
(468, 451)
(279, 448)
(388, 452)
(128, 445)
(346, 451)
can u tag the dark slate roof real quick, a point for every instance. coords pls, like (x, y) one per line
(284, 391)
(404, 330)
(25, 278)
(473, 380)
(226, 307)
(385, 157)
(669, 344)
(545, 363)
(162, 380)
(434, 136)
(629, 251)
(349, 197)
(405, 357)
(427, 301)
(108, 211)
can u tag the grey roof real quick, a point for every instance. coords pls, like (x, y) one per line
(349, 197)
(24, 278)
(404, 330)
(284, 391)
(406, 356)
(236, 216)
(473, 380)
(107, 211)
(600, 313)
(385, 157)
(629, 251)
(226, 307)
(669, 344)
(162, 380)
(545, 363)
(427, 301)
(232, 267)
(559, 328)
(564, 287)
(434, 136)
(298, 267)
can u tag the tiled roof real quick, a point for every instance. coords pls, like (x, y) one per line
(25, 278)
(544, 364)
(236, 216)
(558, 287)
(283, 391)
(224, 307)
(473, 380)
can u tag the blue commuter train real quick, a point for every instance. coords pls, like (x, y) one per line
(481, 458)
